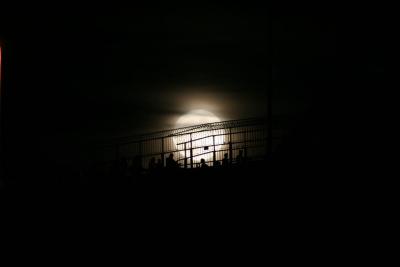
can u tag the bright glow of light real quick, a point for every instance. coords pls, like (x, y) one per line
(200, 140)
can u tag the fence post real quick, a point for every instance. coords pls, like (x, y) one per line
(230, 147)
(191, 152)
(214, 158)
(185, 160)
(245, 143)
(162, 151)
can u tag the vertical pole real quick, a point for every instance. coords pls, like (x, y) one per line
(214, 158)
(230, 147)
(185, 160)
(162, 151)
(269, 88)
(245, 143)
(191, 152)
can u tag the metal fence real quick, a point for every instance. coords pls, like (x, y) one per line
(213, 142)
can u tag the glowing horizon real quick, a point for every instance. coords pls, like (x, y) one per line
(202, 139)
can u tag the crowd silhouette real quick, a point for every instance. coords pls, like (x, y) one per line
(137, 167)
(171, 163)
(156, 165)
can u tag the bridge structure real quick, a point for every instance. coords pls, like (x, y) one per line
(246, 138)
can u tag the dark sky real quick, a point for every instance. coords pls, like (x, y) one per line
(127, 70)
(80, 74)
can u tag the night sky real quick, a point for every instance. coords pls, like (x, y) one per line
(77, 75)
(136, 69)
(74, 76)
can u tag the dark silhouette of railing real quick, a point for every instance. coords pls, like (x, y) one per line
(212, 142)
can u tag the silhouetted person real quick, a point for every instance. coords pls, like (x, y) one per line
(171, 163)
(159, 164)
(225, 160)
(240, 158)
(217, 164)
(136, 167)
(152, 163)
(203, 163)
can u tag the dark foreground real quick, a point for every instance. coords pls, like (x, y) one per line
(249, 207)
(261, 186)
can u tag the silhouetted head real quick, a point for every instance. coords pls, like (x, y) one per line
(203, 161)
(171, 156)
(226, 155)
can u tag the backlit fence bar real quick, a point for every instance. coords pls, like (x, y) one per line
(213, 142)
